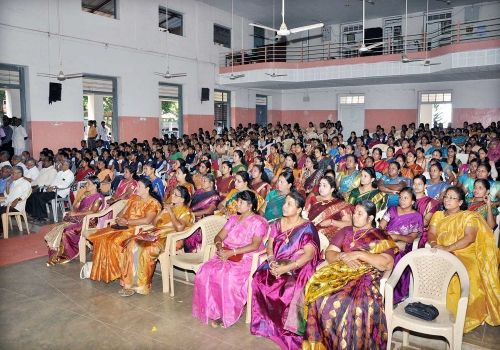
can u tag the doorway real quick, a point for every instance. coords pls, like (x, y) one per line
(352, 113)
(170, 109)
(12, 91)
(261, 110)
(100, 103)
(435, 108)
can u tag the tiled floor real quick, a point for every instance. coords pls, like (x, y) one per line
(51, 308)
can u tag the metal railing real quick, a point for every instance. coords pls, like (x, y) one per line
(290, 52)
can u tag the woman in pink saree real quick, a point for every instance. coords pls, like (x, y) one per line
(220, 287)
(278, 284)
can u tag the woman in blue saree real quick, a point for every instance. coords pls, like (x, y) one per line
(273, 205)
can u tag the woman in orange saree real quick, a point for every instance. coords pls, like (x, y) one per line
(141, 209)
(142, 251)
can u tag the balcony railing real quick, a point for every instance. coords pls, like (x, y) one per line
(289, 52)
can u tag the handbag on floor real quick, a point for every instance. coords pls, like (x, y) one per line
(423, 311)
(86, 270)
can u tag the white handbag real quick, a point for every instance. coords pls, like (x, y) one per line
(86, 270)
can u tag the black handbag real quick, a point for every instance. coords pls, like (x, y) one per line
(423, 311)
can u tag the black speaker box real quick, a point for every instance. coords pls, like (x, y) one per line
(55, 92)
(205, 94)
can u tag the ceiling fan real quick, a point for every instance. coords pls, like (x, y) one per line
(60, 76)
(363, 48)
(167, 74)
(283, 30)
(404, 56)
(427, 60)
(275, 75)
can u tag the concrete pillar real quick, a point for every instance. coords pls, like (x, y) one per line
(96, 108)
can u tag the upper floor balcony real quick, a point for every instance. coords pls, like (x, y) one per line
(460, 51)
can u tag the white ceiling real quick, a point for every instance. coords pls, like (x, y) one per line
(301, 12)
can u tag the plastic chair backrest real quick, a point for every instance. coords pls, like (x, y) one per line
(210, 227)
(432, 270)
(323, 242)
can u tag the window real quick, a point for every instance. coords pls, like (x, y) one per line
(222, 36)
(352, 99)
(436, 108)
(221, 108)
(106, 8)
(175, 22)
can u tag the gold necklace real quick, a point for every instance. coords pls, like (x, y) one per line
(290, 230)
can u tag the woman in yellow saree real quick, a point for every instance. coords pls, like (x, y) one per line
(141, 209)
(242, 182)
(142, 250)
(467, 235)
(343, 303)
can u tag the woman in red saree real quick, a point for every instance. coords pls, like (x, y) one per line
(260, 182)
(125, 188)
(225, 182)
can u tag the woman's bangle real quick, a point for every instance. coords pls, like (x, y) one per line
(218, 242)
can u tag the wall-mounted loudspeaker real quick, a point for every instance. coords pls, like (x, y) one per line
(54, 92)
(205, 94)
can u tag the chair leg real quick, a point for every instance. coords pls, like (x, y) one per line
(19, 223)
(5, 226)
(54, 209)
(26, 223)
(82, 249)
(171, 278)
(248, 315)
(406, 338)
(164, 264)
(389, 338)
(10, 222)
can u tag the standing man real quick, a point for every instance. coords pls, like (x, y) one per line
(104, 134)
(92, 135)
(7, 140)
(19, 137)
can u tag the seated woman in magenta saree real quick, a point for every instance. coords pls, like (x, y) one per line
(204, 203)
(426, 205)
(343, 303)
(404, 224)
(278, 284)
(220, 286)
(62, 240)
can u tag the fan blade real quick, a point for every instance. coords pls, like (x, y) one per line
(304, 28)
(73, 76)
(178, 75)
(372, 46)
(263, 27)
(47, 75)
(160, 74)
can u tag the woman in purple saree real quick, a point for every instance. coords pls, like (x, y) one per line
(62, 240)
(278, 284)
(204, 203)
(404, 224)
(426, 205)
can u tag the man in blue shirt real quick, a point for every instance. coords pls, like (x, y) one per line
(5, 178)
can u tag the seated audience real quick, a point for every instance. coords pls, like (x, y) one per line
(392, 183)
(125, 188)
(220, 286)
(481, 202)
(348, 179)
(293, 250)
(272, 208)
(367, 190)
(15, 195)
(357, 257)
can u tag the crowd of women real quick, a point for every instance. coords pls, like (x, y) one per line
(281, 188)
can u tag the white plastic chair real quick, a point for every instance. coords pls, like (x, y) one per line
(210, 227)
(463, 157)
(7, 216)
(432, 270)
(86, 230)
(59, 203)
(497, 231)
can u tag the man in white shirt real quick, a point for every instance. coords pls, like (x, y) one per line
(31, 173)
(19, 136)
(46, 175)
(16, 195)
(18, 161)
(102, 131)
(36, 204)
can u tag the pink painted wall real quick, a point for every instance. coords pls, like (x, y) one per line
(274, 116)
(242, 115)
(388, 117)
(475, 115)
(303, 117)
(141, 128)
(192, 122)
(54, 135)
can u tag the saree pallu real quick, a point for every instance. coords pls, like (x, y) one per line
(403, 224)
(481, 261)
(220, 286)
(426, 205)
(201, 201)
(381, 166)
(482, 209)
(311, 183)
(412, 171)
(107, 255)
(274, 208)
(237, 168)
(139, 257)
(277, 303)
(232, 205)
(171, 183)
(224, 185)
(375, 196)
(392, 198)
(434, 190)
(62, 240)
(344, 306)
(189, 186)
(348, 182)
(124, 186)
(333, 209)
(262, 188)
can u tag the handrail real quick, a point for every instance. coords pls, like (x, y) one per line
(299, 52)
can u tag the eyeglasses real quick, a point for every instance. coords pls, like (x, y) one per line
(451, 198)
